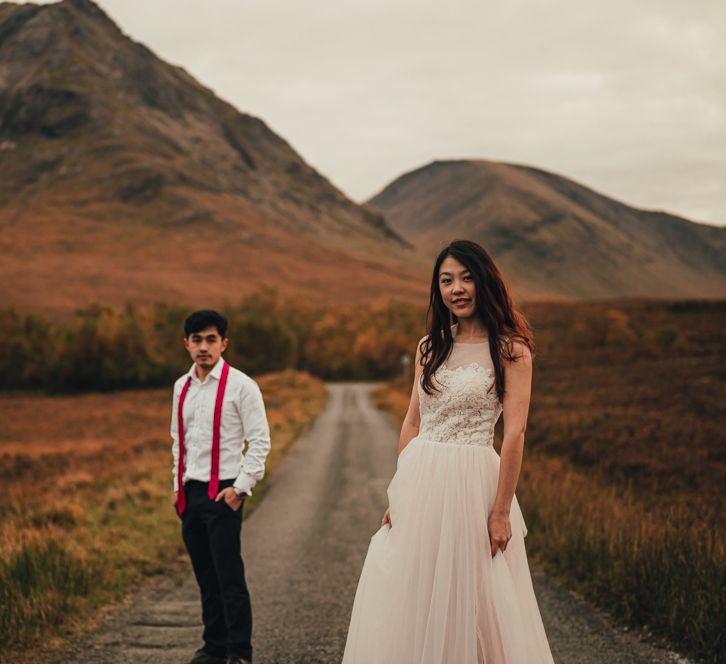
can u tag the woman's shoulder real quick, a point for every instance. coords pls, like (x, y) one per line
(517, 349)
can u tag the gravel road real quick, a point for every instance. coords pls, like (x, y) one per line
(304, 548)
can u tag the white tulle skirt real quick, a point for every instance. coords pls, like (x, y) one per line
(430, 592)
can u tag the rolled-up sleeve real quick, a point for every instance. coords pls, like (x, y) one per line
(257, 432)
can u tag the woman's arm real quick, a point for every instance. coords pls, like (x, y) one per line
(412, 421)
(518, 380)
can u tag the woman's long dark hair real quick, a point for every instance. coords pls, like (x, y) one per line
(494, 307)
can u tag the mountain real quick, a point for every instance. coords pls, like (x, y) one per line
(553, 237)
(122, 178)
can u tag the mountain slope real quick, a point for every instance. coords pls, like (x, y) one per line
(122, 178)
(554, 237)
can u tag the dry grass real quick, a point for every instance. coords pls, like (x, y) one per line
(660, 568)
(86, 506)
(127, 256)
(622, 484)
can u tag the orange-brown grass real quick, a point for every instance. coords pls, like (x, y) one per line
(123, 261)
(634, 392)
(87, 505)
(622, 482)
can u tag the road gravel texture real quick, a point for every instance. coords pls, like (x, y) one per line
(304, 548)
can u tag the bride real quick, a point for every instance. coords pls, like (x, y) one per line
(446, 579)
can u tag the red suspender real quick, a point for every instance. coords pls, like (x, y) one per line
(214, 476)
(181, 502)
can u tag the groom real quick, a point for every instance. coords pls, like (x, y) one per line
(215, 408)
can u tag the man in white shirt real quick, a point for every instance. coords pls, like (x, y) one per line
(215, 408)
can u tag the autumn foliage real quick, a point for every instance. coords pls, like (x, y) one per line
(103, 349)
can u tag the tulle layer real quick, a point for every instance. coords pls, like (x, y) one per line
(430, 592)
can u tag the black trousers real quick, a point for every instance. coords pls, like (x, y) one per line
(211, 532)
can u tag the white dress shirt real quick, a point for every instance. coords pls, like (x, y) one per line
(243, 417)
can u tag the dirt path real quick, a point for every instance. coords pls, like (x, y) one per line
(304, 547)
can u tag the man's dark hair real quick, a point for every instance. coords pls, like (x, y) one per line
(200, 320)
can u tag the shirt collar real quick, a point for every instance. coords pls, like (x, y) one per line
(216, 372)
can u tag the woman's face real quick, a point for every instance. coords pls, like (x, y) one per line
(457, 288)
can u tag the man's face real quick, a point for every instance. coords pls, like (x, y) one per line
(205, 347)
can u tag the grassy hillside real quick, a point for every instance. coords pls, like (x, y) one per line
(121, 176)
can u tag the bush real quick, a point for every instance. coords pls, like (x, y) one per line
(103, 349)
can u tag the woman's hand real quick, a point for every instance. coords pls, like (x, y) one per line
(387, 518)
(500, 531)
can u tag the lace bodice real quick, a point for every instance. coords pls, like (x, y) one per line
(465, 409)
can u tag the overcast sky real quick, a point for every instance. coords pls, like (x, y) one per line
(626, 97)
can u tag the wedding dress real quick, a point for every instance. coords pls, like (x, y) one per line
(430, 591)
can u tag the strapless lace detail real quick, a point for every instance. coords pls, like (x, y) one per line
(465, 409)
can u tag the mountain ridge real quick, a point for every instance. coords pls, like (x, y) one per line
(100, 136)
(124, 179)
(553, 231)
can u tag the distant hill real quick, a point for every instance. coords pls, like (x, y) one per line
(123, 178)
(554, 237)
